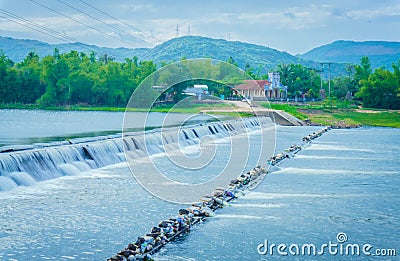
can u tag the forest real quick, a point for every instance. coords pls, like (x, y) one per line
(77, 78)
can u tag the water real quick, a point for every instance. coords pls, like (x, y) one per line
(21, 127)
(88, 216)
(345, 181)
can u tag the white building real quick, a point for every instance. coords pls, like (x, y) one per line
(197, 90)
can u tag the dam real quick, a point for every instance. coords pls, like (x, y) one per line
(25, 167)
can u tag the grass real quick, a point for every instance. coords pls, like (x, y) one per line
(60, 108)
(335, 112)
(352, 117)
(188, 107)
(287, 108)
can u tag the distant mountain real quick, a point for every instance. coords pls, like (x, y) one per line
(17, 49)
(203, 47)
(188, 47)
(381, 53)
(169, 51)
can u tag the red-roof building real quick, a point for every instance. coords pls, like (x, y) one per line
(252, 88)
(266, 89)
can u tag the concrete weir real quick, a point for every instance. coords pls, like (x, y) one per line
(281, 117)
(278, 116)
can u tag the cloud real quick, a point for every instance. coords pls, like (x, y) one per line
(374, 13)
(136, 7)
(289, 25)
(289, 14)
(294, 18)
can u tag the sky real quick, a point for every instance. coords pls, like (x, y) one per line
(292, 26)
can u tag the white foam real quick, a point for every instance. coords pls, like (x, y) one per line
(7, 183)
(23, 178)
(82, 166)
(336, 157)
(237, 216)
(257, 205)
(261, 195)
(317, 146)
(291, 170)
(69, 169)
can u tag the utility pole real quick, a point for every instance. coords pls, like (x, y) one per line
(229, 36)
(188, 29)
(329, 80)
(177, 30)
(322, 70)
(329, 77)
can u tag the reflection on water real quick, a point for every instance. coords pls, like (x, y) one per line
(38, 126)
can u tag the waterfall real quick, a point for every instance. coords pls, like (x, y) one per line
(53, 160)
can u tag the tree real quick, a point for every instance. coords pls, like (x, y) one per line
(285, 71)
(80, 86)
(232, 61)
(341, 87)
(380, 90)
(299, 79)
(4, 67)
(55, 73)
(363, 70)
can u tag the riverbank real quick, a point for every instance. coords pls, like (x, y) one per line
(190, 109)
(340, 116)
(315, 114)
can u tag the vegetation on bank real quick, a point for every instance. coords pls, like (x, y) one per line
(191, 108)
(354, 117)
(79, 81)
(287, 108)
(335, 112)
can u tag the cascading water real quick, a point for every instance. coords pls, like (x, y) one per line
(25, 168)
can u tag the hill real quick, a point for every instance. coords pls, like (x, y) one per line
(380, 53)
(203, 47)
(17, 49)
(257, 56)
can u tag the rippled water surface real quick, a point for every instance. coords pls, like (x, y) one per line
(35, 126)
(346, 181)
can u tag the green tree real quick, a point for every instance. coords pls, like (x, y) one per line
(363, 71)
(80, 86)
(299, 79)
(285, 71)
(5, 64)
(380, 90)
(55, 73)
(341, 87)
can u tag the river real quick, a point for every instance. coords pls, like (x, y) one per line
(21, 127)
(344, 182)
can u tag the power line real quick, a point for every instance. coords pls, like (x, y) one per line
(134, 28)
(41, 29)
(16, 17)
(33, 28)
(110, 25)
(77, 21)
